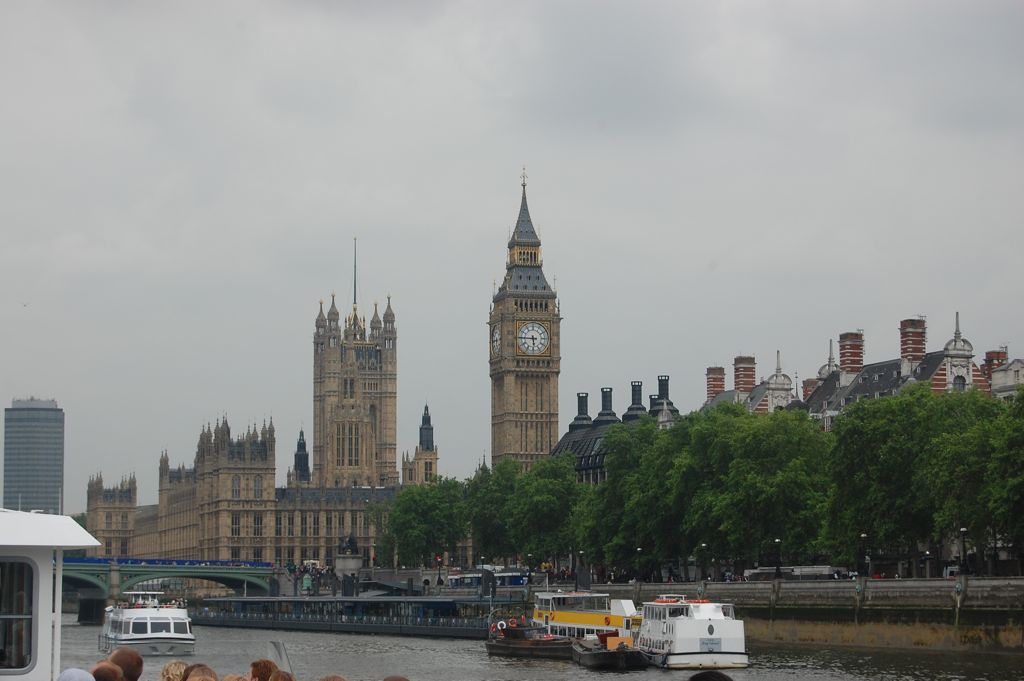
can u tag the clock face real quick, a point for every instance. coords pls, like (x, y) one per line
(533, 338)
(496, 340)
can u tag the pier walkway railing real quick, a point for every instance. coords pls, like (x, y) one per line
(445, 627)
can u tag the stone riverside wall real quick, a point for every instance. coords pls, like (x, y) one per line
(983, 613)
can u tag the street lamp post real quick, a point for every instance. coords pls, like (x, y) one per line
(864, 554)
(963, 549)
(703, 561)
(778, 557)
(439, 559)
(639, 556)
(579, 566)
(529, 568)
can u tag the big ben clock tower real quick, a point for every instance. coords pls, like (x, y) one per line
(523, 340)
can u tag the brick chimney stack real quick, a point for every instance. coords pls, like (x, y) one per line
(912, 339)
(809, 385)
(851, 352)
(715, 382)
(743, 369)
(993, 360)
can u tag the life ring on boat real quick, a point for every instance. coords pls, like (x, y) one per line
(698, 600)
(501, 625)
(607, 621)
(512, 623)
(667, 600)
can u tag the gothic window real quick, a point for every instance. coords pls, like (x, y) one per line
(428, 470)
(236, 553)
(108, 521)
(257, 487)
(304, 525)
(329, 526)
(236, 487)
(291, 524)
(257, 524)
(959, 384)
(257, 554)
(316, 524)
(277, 525)
(124, 521)
(124, 547)
(236, 524)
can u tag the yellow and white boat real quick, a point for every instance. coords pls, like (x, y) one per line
(584, 614)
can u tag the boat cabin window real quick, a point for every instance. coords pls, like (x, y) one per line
(160, 626)
(682, 611)
(140, 627)
(127, 627)
(16, 598)
(543, 603)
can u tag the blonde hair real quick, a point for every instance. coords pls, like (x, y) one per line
(172, 671)
(233, 677)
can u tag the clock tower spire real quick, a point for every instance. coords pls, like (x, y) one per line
(525, 359)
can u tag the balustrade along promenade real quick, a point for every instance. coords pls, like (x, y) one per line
(965, 613)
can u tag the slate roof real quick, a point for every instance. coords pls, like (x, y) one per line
(527, 279)
(585, 444)
(928, 365)
(818, 400)
(757, 394)
(724, 397)
(524, 233)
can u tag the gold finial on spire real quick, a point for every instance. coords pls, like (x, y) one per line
(524, 177)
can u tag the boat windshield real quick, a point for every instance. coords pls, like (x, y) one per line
(160, 626)
(140, 627)
(594, 602)
(678, 611)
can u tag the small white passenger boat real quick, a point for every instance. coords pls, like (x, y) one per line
(678, 633)
(148, 626)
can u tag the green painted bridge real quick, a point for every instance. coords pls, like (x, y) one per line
(114, 577)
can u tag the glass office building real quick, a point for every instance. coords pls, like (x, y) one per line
(34, 456)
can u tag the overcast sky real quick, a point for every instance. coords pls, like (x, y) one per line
(180, 183)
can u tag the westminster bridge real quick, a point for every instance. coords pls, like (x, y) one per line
(108, 578)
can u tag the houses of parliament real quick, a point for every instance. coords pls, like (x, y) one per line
(225, 504)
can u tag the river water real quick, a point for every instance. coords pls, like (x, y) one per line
(361, 657)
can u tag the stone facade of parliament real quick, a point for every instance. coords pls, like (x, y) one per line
(225, 506)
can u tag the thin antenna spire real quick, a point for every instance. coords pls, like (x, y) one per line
(524, 177)
(354, 264)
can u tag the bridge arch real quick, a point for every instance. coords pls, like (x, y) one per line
(237, 582)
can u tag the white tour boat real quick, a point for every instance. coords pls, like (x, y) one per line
(582, 614)
(148, 626)
(31, 565)
(692, 634)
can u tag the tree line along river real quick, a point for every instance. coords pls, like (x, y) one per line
(362, 657)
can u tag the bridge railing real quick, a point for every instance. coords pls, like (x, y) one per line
(167, 562)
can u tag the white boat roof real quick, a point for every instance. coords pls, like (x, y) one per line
(18, 528)
(569, 594)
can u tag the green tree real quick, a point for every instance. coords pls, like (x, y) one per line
(489, 494)
(539, 518)
(427, 520)
(1005, 473)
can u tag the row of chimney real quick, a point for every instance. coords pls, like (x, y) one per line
(913, 336)
(607, 414)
